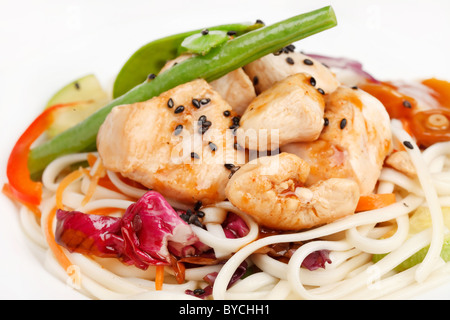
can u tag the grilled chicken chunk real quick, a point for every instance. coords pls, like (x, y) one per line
(235, 87)
(353, 144)
(289, 111)
(176, 143)
(271, 68)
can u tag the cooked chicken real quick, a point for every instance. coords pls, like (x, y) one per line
(401, 161)
(271, 68)
(354, 142)
(176, 143)
(289, 111)
(235, 87)
(271, 189)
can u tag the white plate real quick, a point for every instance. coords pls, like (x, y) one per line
(46, 44)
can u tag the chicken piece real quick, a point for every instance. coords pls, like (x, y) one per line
(271, 68)
(176, 143)
(235, 87)
(354, 142)
(401, 162)
(271, 189)
(290, 111)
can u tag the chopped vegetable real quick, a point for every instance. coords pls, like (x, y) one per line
(91, 96)
(203, 42)
(20, 183)
(149, 233)
(374, 201)
(150, 58)
(218, 62)
(159, 277)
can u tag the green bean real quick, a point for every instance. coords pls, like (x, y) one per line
(218, 62)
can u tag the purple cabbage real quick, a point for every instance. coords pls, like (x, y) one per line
(316, 260)
(148, 233)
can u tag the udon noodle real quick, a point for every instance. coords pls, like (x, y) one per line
(351, 241)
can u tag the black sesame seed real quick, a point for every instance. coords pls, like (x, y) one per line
(151, 76)
(308, 62)
(205, 101)
(255, 80)
(203, 129)
(231, 33)
(212, 145)
(290, 60)
(198, 292)
(408, 144)
(194, 155)
(407, 104)
(198, 205)
(196, 103)
(185, 217)
(229, 166)
(205, 32)
(207, 123)
(343, 123)
(233, 127)
(200, 214)
(170, 103)
(233, 171)
(312, 81)
(236, 120)
(326, 122)
(259, 21)
(355, 87)
(178, 129)
(179, 109)
(77, 85)
(321, 91)
(226, 113)
(290, 48)
(202, 118)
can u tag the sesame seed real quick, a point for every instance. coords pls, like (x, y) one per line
(226, 113)
(236, 120)
(198, 292)
(77, 85)
(343, 123)
(229, 166)
(231, 33)
(290, 60)
(259, 21)
(200, 214)
(207, 123)
(170, 103)
(407, 104)
(355, 87)
(290, 48)
(178, 129)
(205, 32)
(408, 144)
(308, 62)
(198, 205)
(212, 145)
(196, 103)
(179, 109)
(255, 80)
(321, 91)
(312, 81)
(194, 155)
(326, 122)
(205, 101)
(151, 76)
(202, 118)
(233, 171)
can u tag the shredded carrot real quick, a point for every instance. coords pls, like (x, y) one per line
(105, 211)
(71, 177)
(375, 201)
(57, 251)
(99, 173)
(33, 208)
(159, 277)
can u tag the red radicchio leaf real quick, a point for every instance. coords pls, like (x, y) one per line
(234, 226)
(316, 260)
(143, 236)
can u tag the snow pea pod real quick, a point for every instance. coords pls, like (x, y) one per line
(150, 58)
(219, 61)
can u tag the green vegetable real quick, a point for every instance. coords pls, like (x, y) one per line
(150, 58)
(86, 90)
(417, 257)
(219, 61)
(203, 42)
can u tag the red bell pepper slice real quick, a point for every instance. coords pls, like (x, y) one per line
(21, 185)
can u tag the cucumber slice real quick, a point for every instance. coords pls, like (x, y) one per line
(86, 90)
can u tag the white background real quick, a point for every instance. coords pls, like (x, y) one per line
(47, 43)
